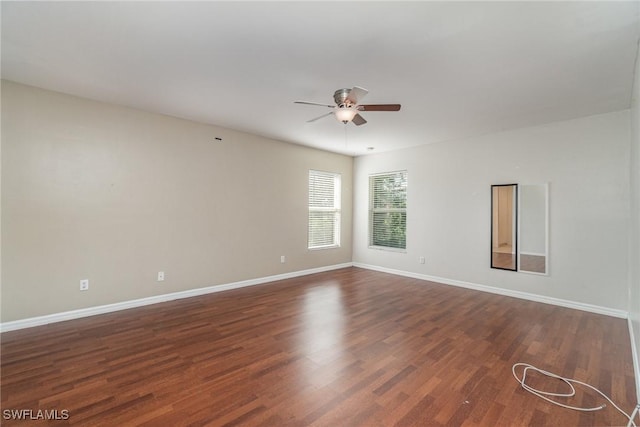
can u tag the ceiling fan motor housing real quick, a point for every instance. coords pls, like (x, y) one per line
(340, 97)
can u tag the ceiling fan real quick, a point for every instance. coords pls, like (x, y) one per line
(347, 108)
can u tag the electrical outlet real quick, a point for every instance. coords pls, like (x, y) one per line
(84, 284)
(160, 276)
(282, 259)
(421, 260)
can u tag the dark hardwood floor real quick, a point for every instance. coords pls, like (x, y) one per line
(350, 347)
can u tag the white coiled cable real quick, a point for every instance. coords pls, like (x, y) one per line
(544, 394)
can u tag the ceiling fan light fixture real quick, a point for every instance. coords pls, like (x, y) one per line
(345, 114)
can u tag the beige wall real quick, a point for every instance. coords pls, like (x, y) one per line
(586, 163)
(634, 235)
(114, 195)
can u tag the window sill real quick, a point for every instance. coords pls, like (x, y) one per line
(385, 248)
(321, 248)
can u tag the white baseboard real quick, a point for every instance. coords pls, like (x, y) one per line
(92, 311)
(500, 291)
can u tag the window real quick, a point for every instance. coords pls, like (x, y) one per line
(388, 210)
(324, 210)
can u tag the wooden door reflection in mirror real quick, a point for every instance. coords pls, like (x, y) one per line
(504, 217)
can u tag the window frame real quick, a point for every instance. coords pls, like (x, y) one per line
(336, 209)
(373, 210)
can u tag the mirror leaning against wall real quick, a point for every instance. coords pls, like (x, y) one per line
(504, 217)
(520, 227)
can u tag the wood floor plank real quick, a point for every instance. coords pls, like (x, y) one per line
(350, 347)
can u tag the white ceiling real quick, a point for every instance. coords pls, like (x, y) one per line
(458, 69)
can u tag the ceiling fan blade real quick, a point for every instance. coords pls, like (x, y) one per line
(319, 117)
(356, 94)
(358, 120)
(379, 107)
(313, 103)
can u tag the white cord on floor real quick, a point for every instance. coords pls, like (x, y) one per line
(569, 382)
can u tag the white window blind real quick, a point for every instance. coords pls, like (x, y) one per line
(388, 210)
(324, 209)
